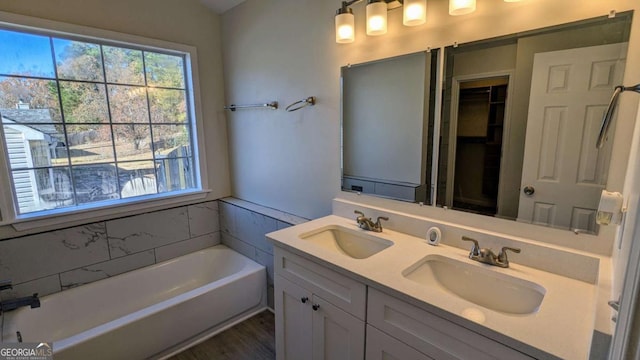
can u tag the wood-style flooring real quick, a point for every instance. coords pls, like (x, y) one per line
(253, 339)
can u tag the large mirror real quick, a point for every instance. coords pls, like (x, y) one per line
(519, 122)
(521, 116)
(387, 126)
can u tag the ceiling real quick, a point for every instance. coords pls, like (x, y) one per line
(220, 6)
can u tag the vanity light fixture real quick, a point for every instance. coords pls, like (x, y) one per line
(415, 13)
(345, 25)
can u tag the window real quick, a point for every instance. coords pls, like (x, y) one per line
(90, 123)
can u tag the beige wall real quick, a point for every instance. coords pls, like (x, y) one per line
(285, 50)
(185, 22)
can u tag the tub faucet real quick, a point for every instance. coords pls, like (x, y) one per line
(366, 223)
(12, 304)
(5, 285)
(487, 256)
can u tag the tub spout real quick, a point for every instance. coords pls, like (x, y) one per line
(5, 285)
(12, 304)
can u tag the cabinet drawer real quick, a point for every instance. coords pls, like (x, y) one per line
(430, 334)
(381, 346)
(341, 291)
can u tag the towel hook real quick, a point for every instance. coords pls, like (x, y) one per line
(310, 101)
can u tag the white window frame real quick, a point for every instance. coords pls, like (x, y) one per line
(121, 207)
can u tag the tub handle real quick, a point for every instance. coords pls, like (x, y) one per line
(304, 300)
(316, 307)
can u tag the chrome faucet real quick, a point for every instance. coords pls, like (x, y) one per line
(366, 223)
(487, 256)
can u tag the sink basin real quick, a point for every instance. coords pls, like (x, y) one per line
(481, 286)
(350, 242)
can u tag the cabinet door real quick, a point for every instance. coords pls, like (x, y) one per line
(381, 346)
(431, 334)
(342, 291)
(337, 335)
(293, 320)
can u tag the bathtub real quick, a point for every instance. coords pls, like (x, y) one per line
(152, 312)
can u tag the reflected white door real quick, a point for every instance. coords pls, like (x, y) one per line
(570, 90)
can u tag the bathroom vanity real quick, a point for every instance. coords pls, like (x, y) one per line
(345, 293)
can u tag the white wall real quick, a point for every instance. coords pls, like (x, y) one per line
(185, 22)
(285, 50)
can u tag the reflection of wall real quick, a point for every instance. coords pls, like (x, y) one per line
(383, 127)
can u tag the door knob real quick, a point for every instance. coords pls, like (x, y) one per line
(529, 190)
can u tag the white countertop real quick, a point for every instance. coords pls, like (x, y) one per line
(563, 325)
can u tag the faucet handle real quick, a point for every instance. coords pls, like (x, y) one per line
(502, 256)
(358, 212)
(379, 224)
(475, 249)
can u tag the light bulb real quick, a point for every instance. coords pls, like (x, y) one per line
(415, 12)
(376, 18)
(345, 32)
(461, 7)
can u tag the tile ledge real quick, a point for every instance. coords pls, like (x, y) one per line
(270, 212)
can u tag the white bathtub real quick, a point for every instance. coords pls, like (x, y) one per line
(150, 312)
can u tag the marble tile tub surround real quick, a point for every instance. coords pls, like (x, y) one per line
(53, 261)
(243, 226)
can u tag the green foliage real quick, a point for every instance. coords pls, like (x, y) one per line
(83, 94)
(78, 60)
(123, 66)
(164, 70)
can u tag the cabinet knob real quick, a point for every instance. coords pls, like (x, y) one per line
(315, 307)
(304, 300)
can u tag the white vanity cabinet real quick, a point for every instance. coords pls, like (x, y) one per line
(319, 313)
